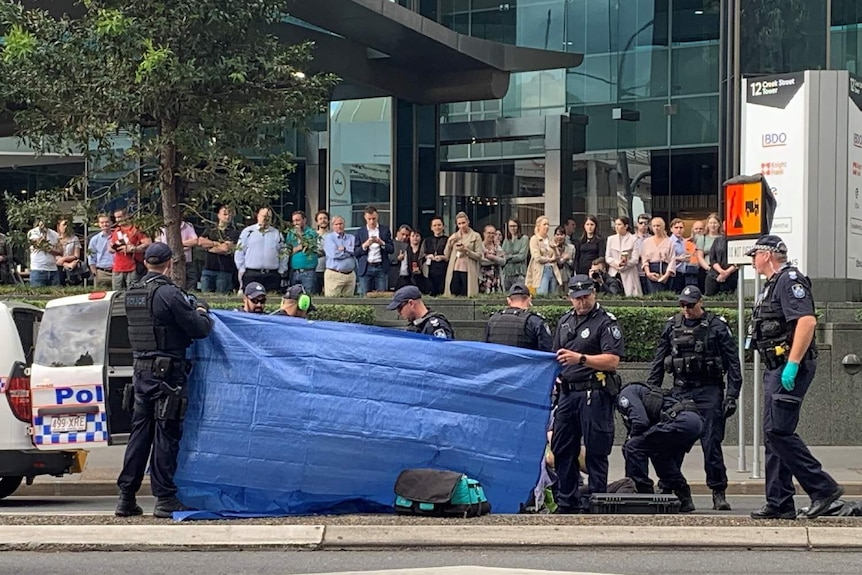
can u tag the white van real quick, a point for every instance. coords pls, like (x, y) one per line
(82, 363)
(19, 459)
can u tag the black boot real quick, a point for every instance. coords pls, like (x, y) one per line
(165, 507)
(685, 500)
(719, 501)
(127, 506)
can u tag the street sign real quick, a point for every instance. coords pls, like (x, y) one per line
(748, 207)
(744, 203)
(736, 251)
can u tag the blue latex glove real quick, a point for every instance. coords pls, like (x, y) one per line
(788, 376)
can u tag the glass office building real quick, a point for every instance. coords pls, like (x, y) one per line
(643, 125)
(650, 106)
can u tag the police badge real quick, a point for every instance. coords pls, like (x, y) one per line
(798, 291)
(586, 333)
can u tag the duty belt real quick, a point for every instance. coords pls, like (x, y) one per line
(582, 385)
(677, 408)
(775, 356)
(147, 364)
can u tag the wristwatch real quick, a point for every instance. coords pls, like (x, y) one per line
(583, 360)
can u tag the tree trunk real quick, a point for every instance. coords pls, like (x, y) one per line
(170, 201)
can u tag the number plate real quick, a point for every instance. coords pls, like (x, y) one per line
(67, 423)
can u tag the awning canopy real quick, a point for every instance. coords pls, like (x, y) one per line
(379, 48)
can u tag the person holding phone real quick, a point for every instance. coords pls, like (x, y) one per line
(622, 254)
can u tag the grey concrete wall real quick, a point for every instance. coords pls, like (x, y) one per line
(831, 413)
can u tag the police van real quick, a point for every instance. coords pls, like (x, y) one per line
(19, 459)
(81, 366)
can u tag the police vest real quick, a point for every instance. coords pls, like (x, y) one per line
(146, 331)
(691, 354)
(422, 327)
(769, 326)
(509, 327)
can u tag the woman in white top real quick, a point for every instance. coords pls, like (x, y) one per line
(622, 255)
(543, 275)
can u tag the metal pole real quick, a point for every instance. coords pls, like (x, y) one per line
(757, 415)
(741, 336)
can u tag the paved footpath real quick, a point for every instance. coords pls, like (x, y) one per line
(843, 463)
(54, 533)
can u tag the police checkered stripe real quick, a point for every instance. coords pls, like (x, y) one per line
(97, 431)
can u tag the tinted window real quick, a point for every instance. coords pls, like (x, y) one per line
(73, 335)
(25, 322)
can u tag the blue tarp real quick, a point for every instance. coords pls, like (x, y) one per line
(290, 417)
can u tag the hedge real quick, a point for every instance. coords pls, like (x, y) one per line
(363, 314)
(641, 326)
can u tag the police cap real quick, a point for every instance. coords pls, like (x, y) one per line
(518, 288)
(581, 285)
(157, 253)
(404, 295)
(690, 295)
(768, 243)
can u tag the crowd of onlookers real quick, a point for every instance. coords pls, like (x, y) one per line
(326, 259)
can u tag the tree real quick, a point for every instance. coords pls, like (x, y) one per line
(197, 86)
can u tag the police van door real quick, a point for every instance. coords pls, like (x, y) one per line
(73, 382)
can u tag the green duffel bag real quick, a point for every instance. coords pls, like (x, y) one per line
(438, 493)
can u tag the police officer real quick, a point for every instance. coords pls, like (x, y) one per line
(253, 298)
(517, 325)
(782, 330)
(163, 321)
(407, 301)
(295, 302)
(697, 349)
(589, 344)
(661, 428)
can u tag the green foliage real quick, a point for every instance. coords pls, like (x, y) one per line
(181, 104)
(361, 314)
(641, 326)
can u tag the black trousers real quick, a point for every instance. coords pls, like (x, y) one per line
(458, 285)
(154, 440)
(665, 444)
(270, 280)
(709, 399)
(787, 456)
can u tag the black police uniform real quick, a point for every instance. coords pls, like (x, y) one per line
(699, 353)
(662, 428)
(432, 323)
(162, 324)
(785, 298)
(585, 408)
(519, 328)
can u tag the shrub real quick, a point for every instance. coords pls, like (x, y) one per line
(641, 326)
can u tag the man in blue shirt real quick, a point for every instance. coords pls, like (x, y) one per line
(258, 254)
(339, 279)
(99, 258)
(302, 242)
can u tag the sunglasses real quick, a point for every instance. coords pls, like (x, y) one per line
(687, 305)
(259, 300)
(643, 222)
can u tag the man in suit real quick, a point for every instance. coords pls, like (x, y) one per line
(373, 246)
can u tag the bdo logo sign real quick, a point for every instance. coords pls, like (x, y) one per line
(773, 140)
(857, 140)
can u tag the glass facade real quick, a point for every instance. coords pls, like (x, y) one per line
(658, 58)
(360, 159)
(846, 36)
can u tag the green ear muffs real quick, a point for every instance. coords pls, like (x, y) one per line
(304, 302)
